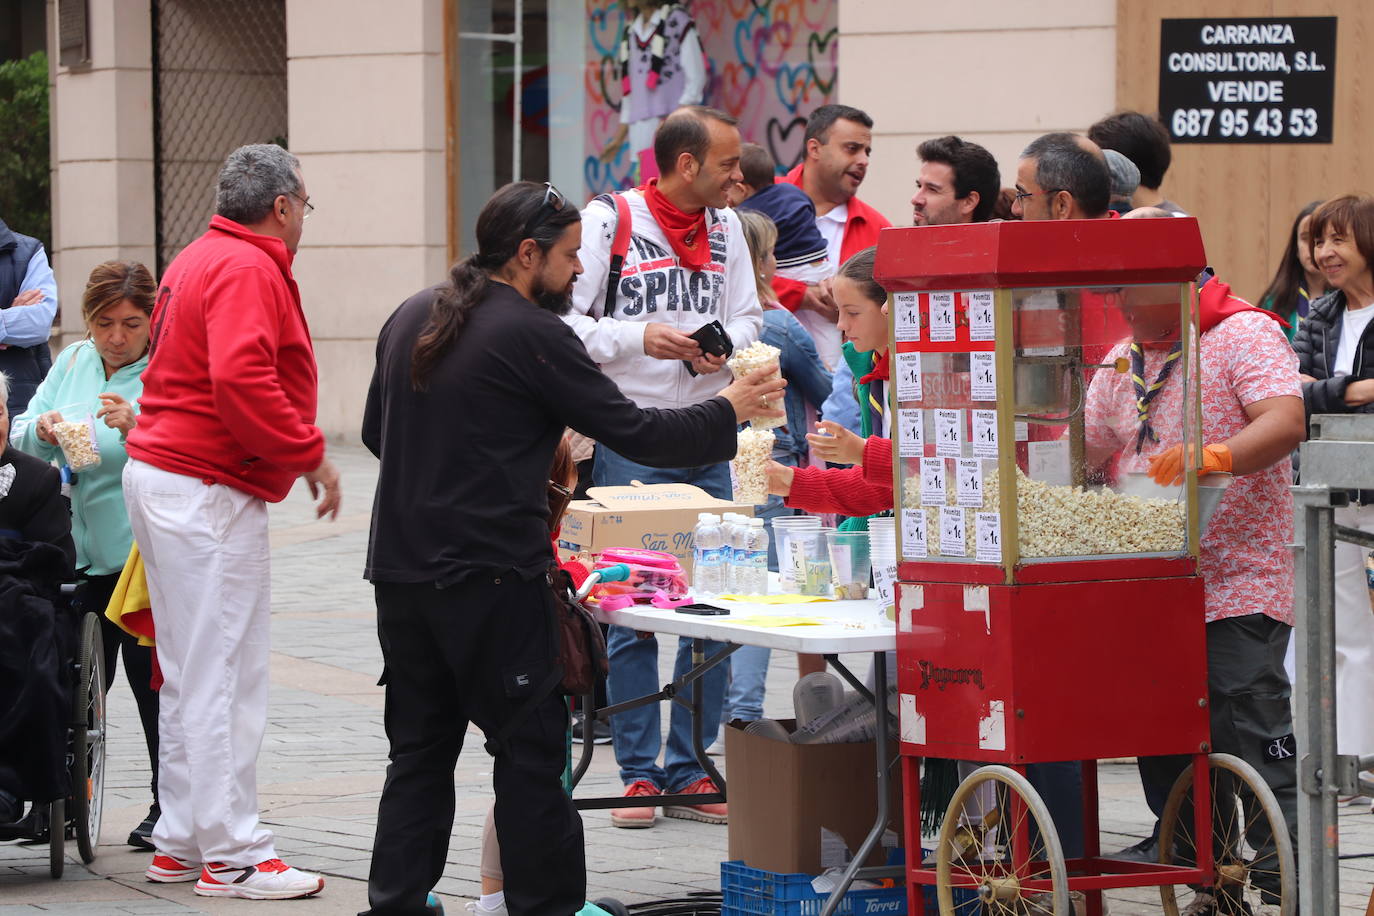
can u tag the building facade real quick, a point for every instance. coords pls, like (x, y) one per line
(407, 115)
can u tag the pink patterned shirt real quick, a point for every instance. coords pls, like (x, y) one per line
(1246, 564)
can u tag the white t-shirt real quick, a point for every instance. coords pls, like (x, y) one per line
(823, 332)
(1353, 324)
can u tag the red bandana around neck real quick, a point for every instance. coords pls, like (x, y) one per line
(686, 232)
(1215, 304)
(880, 369)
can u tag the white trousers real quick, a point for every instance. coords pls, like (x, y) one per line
(205, 551)
(1354, 641)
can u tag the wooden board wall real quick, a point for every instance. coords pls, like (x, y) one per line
(1245, 196)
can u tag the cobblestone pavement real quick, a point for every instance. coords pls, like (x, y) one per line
(322, 764)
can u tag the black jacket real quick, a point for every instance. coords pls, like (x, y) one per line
(1315, 344)
(34, 509)
(465, 464)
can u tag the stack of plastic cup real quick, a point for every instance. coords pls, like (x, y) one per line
(783, 526)
(882, 551)
(810, 549)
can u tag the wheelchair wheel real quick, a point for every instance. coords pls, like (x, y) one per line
(57, 837)
(88, 740)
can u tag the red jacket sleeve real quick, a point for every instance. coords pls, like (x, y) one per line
(789, 292)
(841, 490)
(877, 466)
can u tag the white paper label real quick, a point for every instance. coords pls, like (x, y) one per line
(949, 433)
(981, 316)
(1049, 461)
(908, 376)
(907, 319)
(911, 434)
(983, 376)
(1022, 430)
(913, 533)
(951, 531)
(884, 578)
(987, 528)
(941, 316)
(798, 564)
(985, 433)
(932, 481)
(968, 482)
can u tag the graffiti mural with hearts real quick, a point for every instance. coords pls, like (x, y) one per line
(770, 63)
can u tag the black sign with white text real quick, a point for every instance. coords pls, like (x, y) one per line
(1247, 80)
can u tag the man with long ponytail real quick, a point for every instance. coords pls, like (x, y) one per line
(476, 380)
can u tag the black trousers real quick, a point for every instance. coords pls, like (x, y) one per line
(93, 595)
(473, 652)
(1251, 718)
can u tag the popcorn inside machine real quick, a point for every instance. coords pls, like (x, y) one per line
(1049, 606)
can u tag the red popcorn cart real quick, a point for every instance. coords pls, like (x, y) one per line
(1049, 606)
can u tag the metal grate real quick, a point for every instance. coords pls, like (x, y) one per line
(219, 81)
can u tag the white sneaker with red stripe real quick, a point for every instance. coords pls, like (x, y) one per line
(270, 880)
(169, 870)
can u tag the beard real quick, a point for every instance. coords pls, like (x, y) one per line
(557, 301)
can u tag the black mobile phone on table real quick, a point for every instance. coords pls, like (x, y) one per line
(712, 339)
(702, 610)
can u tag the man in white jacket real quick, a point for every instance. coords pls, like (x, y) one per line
(687, 265)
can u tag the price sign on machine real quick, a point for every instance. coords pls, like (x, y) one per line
(988, 536)
(968, 482)
(913, 533)
(906, 317)
(985, 433)
(908, 376)
(952, 531)
(949, 433)
(942, 316)
(1248, 80)
(911, 437)
(932, 481)
(982, 322)
(983, 376)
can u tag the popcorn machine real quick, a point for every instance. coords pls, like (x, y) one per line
(1049, 606)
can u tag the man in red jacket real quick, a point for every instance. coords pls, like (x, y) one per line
(226, 426)
(839, 141)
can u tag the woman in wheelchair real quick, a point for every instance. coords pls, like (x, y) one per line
(36, 556)
(101, 377)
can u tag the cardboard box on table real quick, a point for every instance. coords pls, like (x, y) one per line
(658, 516)
(782, 794)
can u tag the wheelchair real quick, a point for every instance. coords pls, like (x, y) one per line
(77, 815)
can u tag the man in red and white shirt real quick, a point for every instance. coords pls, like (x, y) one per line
(227, 424)
(1252, 419)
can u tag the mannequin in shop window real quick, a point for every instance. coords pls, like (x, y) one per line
(661, 69)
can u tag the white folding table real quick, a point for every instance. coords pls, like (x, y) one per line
(849, 626)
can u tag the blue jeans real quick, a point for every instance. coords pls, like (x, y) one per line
(636, 733)
(748, 677)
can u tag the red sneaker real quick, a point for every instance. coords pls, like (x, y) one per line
(640, 815)
(711, 814)
(168, 870)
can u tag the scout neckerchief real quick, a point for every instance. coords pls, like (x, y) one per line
(1144, 395)
(874, 380)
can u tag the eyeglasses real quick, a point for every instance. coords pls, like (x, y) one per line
(1022, 195)
(309, 207)
(553, 201)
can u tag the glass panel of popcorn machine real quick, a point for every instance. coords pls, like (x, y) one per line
(1104, 389)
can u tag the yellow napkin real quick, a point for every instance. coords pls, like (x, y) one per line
(775, 599)
(767, 620)
(129, 607)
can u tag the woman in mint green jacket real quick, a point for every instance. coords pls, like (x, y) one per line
(101, 376)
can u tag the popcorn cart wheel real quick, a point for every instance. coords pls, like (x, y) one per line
(1032, 854)
(1011, 858)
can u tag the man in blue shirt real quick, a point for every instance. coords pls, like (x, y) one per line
(28, 305)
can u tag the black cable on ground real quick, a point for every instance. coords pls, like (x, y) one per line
(700, 903)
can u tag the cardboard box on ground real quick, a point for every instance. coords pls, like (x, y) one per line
(658, 516)
(783, 794)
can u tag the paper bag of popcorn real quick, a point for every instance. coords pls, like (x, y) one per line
(75, 434)
(758, 355)
(752, 454)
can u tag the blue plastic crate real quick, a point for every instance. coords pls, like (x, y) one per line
(749, 891)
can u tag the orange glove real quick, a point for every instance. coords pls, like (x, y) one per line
(1166, 468)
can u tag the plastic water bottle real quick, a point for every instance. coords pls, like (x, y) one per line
(754, 569)
(708, 555)
(728, 577)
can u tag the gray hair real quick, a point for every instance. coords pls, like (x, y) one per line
(4, 395)
(252, 178)
(1063, 164)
